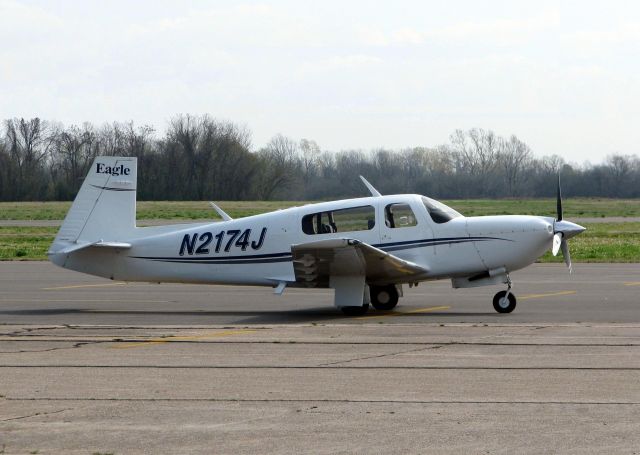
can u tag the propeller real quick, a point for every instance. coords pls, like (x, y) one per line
(563, 230)
(559, 201)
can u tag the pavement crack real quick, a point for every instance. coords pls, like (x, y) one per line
(379, 356)
(37, 414)
(483, 341)
(27, 330)
(62, 348)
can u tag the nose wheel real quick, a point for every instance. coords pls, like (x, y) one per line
(504, 302)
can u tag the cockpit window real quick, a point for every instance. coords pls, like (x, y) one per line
(439, 212)
(343, 220)
(399, 216)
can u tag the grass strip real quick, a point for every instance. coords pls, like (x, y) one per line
(25, 243)
(188, 210)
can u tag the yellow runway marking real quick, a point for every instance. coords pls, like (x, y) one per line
(180, 338)
(541, 296)
(402, 313)
(76, 286)
(425, 310)
(632, 283)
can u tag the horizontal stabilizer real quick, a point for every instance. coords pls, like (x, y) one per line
(98, 243)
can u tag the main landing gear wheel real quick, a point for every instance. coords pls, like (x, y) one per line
(384, 298)
(355, 310)
(504, 304)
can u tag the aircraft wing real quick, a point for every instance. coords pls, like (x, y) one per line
(315, 262)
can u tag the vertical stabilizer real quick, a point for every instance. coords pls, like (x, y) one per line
(105, 207)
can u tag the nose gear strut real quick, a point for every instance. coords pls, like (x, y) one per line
(505, 301)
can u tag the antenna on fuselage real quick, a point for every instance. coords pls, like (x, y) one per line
(220, 212)
(374, 192)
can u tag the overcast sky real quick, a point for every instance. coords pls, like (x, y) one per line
(562, 76)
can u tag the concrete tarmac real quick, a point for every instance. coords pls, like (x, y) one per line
(40, 293)
(91, 366)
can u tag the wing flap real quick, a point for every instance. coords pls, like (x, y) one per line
(315, 262)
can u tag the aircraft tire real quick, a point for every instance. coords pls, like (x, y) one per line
(500, 305)
(355, 310)
(384, 298)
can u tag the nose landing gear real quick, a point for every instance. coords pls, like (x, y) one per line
(505, 301)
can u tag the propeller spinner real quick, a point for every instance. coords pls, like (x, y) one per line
(563, 230)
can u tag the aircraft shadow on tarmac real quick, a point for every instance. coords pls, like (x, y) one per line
(331, 314)
(238, 316)
(305, 315)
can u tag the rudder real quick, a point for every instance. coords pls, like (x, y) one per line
(105, 207)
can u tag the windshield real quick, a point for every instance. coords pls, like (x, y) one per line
(439, 212)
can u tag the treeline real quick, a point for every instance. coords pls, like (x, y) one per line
(201, 158)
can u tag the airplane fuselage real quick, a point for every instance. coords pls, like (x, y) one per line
(256, 250)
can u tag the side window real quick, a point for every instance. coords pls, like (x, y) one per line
(399, 216)
(344, 220)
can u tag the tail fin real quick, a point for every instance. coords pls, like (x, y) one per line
(105, 207)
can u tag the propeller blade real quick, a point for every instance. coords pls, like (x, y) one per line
(565, 252)
(557, 240)
(559, 202)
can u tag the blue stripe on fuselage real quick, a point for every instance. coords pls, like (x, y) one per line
(286, 257)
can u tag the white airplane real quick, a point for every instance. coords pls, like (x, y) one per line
(364, 248)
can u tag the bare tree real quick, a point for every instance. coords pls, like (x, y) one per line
(74, 149)
(474, 153)
(5, 173)
(310, 153)
(485, 149)
(513, 157)
(279, 166)
(28, 145)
